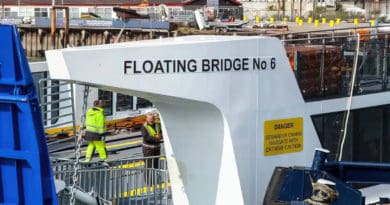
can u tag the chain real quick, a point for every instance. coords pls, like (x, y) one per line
(79, 141)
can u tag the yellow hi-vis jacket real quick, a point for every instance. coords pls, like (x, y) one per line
(151, 131)
(95, 121)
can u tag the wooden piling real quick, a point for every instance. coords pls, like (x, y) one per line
(36, 40)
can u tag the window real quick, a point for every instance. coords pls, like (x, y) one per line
(143, 103)
(93, 10)
(26, 12)
(368, 134)
(371, 71)
(54, 101)
(102, 12)
(226, 13)
(175, 10)
(318, 81)
(124, 102)
(41, 12)
(36, 77)
(50, 97)
(9, 13)
(106, 96)
(385, 144)
(329, 131)
(59, 13)
(74, 13)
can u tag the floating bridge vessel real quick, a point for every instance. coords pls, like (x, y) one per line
(235, 110)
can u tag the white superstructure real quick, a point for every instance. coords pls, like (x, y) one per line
(224, 103)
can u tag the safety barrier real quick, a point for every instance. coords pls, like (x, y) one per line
(62, 165)
(120, 186)
(108, 23)
(128, 181)
(324, 61)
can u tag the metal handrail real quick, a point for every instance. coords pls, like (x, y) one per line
(123, 163)
(345, 44)
(310, 38)
(121, 182)
(317, 38)
(57, 101)
(55, 86)
(58, 124)
(58, 117)
(122, 186)
(334, 30)
(57, 93)
(57, 109)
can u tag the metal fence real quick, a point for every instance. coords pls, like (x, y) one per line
(182, 16)
(324, 61)
(60, 165)
(124, 182)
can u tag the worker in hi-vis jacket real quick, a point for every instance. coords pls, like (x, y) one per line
(151, 134)
(95, 124)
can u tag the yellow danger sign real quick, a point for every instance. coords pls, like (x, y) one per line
(283, 136)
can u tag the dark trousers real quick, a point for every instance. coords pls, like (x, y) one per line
(149, 152)
(151, 164)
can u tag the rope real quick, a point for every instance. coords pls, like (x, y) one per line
(349, 101)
